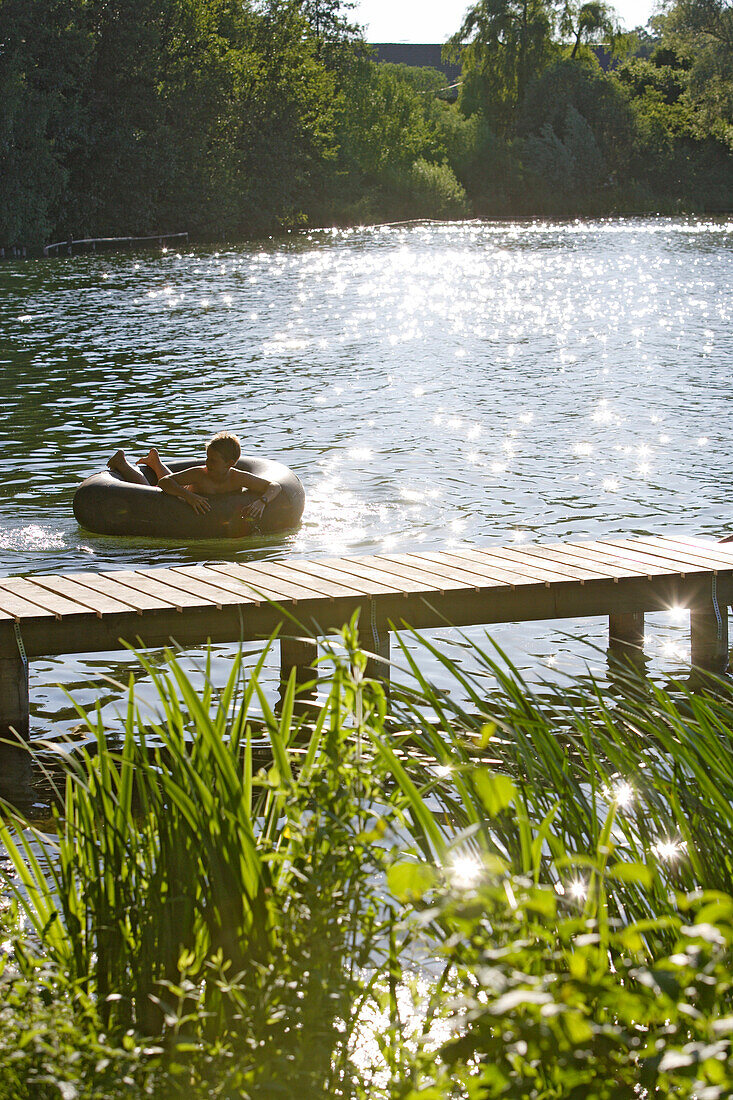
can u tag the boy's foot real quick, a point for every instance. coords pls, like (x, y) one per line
(152, 459)
(117, 462)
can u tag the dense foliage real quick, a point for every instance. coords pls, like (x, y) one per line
(229, 119)
(487, 892)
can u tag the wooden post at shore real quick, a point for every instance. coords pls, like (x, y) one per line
(302, 655)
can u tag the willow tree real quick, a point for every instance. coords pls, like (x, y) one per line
(503, 45)
(594, 21)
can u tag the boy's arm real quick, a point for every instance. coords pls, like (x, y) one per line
(175, 486)
(268, 490)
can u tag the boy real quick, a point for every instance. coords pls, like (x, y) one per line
(219, 475)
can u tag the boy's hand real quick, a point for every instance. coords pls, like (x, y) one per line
(255, 509)
(199, 504)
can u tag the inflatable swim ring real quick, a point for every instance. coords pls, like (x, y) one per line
(107, 505)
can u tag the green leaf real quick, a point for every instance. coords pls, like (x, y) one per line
(632, 872)
(410, 881)
(495, 791)
(487, 732)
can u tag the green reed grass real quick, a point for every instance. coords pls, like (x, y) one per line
(189, 891)
(250, 919)
(637, 773)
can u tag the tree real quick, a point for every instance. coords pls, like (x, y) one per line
(701, 32)
(588, 114)
(503, 44)
(336, 38)
(594, 21)
(128, 117)
(43, 55)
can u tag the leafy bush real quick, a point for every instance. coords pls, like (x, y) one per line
(545, 1002)
(51, 1039)
(423, 190)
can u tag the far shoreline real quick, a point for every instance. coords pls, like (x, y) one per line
(107, 245)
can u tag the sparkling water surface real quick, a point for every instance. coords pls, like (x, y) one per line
(434, 385)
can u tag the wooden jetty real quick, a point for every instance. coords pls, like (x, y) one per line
(310, 598)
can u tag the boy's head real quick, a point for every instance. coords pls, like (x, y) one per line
(225, 444)
(224, 449)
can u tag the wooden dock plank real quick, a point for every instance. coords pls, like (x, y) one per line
(190, 585)
(153, 586)
(257, 577)
(355, 586)
(722, 551)
(50, 602)
(137, 602)
(653, 566)
(688, 551)
(490, 569)
(514, 565)
(514, 569)
(664, 559)
(596, 552)
(221, 575)
(681, 554)
(564, 564)
(425, 574)
(320, 585)
(15, 607)
(232, 592)
(379, 582)
(448, 568)
(255, 583)
(95, 602)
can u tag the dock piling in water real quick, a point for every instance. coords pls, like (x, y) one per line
(14, 702)
(626, 631)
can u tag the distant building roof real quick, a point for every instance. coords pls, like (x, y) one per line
(418, 54)
(428, 55)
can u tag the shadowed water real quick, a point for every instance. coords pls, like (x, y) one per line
(433, 385)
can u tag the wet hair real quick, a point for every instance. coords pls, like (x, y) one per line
(227, 445)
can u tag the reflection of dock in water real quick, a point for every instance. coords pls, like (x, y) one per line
(307, 599)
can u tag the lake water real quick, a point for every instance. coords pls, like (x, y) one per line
(432, 384)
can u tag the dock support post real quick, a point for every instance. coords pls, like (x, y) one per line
(709, 637)
(376, 644)
(626, 632)
(14, 715)
(300, 654)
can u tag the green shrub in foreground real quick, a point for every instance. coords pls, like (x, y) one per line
(51, 1043)
(544, 1003)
